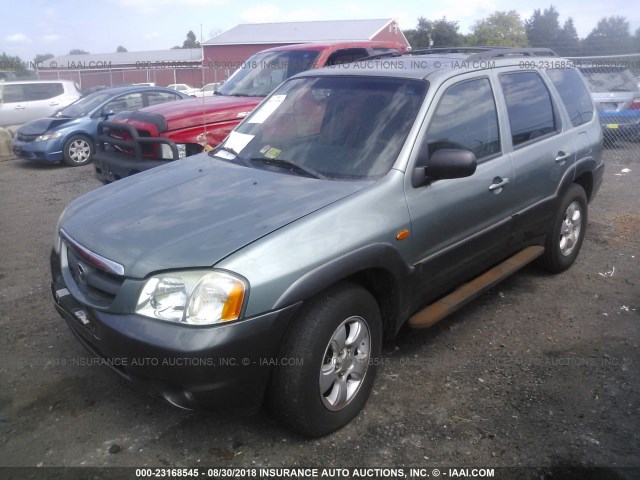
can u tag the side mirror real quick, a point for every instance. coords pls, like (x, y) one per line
(107, 113)
(445, 163)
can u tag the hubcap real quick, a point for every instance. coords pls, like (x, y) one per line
(79, 151)
(570, 228)
(345, 363)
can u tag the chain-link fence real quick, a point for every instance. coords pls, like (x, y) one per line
(614, 82)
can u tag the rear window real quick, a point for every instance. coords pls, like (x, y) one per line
(605, 79)
(573, 93)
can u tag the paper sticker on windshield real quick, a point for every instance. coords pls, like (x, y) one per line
(272, 153)
(267, 109)
(237, 141)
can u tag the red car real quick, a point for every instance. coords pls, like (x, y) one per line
(135, 141)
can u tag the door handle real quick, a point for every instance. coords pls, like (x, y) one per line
(497, 187)
(53, 104)
(20, 107)
(561, 157)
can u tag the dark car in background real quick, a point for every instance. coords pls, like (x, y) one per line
(616, 94)
(70, 134)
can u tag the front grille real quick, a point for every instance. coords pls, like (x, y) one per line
(98, 285)
(25, 138)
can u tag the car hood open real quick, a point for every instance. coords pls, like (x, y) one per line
(193, 212)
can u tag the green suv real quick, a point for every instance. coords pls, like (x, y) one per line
(353, 200)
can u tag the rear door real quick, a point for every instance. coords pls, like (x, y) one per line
(43, 98)
(543, 149)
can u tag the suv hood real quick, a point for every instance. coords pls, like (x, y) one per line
(193, 212)
(207, 110)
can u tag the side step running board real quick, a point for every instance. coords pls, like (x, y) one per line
(469, 291)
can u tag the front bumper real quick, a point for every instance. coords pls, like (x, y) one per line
(222, 367)
(37, 151)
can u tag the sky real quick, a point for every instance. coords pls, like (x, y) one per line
(31, 27)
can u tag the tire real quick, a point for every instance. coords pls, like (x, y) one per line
(564, 242)
(307, 396)
(78, 150)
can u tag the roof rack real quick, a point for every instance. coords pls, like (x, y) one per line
(503, 52)
(478, 53)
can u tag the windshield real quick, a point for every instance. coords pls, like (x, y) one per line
(610, 80)
(263, 72)
(348, 128)
(84, 105)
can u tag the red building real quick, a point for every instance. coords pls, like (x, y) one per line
(218, 57)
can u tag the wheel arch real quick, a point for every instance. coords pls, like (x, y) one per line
(378, 268)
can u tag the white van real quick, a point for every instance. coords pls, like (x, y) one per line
(24, 100)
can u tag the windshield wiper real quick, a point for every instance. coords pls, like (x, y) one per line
(288, 164)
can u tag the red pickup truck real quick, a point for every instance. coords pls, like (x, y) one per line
(135, 141)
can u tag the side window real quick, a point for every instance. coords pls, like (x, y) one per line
(466, 118)
(154, 98)
(13, 93)
(131, 101)
(43, 91)
(529, 106)
(574, 94)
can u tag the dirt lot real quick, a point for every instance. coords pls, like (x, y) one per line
(541, 371)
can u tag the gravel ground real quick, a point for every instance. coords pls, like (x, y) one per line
(541, 371)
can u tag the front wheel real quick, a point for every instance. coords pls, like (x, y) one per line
(331, 351)
(564, 242)
(78, 151)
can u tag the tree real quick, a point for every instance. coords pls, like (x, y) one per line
(76, 51)
(444, 33)
(636, 40)
(502, 29)
(16, 65)
(568, 43)
(121, 49)
(543, 28)
(611, 36)
(41, 57)
(191, 41)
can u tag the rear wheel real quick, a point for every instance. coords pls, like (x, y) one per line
(78, 151)
(564, 242)
(330, 352)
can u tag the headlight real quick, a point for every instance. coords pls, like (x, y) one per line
(167, 154)
(48, 136)
(194, 298)
(182, 150)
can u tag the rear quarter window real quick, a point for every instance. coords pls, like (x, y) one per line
(573, 93)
